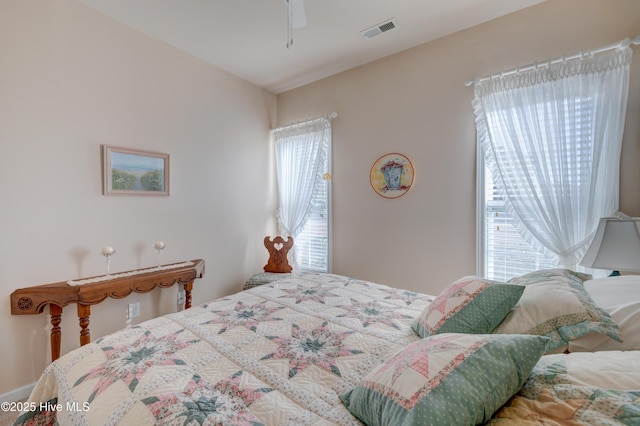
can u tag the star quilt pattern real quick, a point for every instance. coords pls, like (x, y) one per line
(294, 344)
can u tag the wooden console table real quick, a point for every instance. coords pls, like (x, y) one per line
(32, 300)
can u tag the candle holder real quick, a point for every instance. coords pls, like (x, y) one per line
(107, 252)
(158, 246)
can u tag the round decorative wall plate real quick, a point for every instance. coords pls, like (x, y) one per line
(391, 175)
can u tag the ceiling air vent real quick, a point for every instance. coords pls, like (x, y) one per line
(378, 29)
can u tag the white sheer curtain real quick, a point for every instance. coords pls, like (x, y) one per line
(552, 138)
(300, 152)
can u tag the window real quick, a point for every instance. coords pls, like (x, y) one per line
(506, 252)
(303, 153)
(312, 243)
(549, 144)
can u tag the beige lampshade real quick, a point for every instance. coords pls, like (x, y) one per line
(615, 246)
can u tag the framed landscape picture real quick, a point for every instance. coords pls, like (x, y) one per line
(134, 172)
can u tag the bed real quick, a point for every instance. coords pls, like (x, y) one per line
(323, 349)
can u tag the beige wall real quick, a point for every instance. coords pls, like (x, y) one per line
(72, 79)
(416, 103)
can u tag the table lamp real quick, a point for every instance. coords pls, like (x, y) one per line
(615, 246)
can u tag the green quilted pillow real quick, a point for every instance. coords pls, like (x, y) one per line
(456, 379)
(470, 305)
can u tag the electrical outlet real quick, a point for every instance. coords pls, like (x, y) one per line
(134, 310)
(181, 297)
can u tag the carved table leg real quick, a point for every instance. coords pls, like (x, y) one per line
(187, 294)
(56, 331)
(84, 311)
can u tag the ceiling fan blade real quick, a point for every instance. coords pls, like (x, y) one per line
(299, 17)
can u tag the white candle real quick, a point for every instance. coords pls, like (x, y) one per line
(107, 251)
(158, 245)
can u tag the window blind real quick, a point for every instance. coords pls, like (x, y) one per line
(506, 252)
(302, 163)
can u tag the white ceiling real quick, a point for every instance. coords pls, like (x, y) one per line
(248, 37)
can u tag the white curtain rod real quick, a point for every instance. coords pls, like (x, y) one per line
(635, 40)
(327, 117)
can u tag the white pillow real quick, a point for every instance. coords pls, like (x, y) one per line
(620, 297)
(555, 304)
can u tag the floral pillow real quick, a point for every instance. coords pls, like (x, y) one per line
(470, 305)
(555, 304)
(448, 378)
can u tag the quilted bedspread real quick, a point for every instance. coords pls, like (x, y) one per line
(275, 355)
(579, 389)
